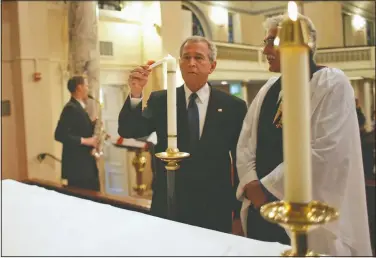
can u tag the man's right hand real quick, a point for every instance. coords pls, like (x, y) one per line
(92, 141)
(255, 194)
(138, 79)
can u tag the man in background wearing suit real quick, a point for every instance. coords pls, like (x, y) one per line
(208, 122)
(75, 130)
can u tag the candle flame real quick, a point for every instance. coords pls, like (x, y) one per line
(292, 9)
(276, 41)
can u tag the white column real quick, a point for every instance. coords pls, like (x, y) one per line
(245, 91)
(83, 46)
(355, 85)
(367, 104)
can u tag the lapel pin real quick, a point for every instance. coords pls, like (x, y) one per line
(219, 110)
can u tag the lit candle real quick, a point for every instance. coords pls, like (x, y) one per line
(296, 110)
(171, 102)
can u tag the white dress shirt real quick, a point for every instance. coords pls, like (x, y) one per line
(202, 102)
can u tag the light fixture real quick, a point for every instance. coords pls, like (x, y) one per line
(219, 15)
(358, 22)
(224, 82)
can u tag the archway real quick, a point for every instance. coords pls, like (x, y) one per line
(200, 26)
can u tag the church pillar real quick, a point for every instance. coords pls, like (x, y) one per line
(367, 104)
(245, 92)
(84, 57)
(83, 46)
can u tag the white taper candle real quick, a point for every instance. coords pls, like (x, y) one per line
(171, 103)
(296, 120)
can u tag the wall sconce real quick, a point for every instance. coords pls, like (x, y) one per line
(358, 22)
(157, 29)
(219, 15)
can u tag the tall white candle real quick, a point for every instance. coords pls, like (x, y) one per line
(171, 102)
(296, 119)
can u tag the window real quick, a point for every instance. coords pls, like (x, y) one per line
(196, 26)
(197, 29)
(230, 27)
(236, 90)
(370, 33)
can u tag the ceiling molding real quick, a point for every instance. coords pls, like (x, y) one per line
(351, 8)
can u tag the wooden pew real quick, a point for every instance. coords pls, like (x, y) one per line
(124, 202)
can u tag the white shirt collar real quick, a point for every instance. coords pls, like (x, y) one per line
(81, 102)
(202, 94)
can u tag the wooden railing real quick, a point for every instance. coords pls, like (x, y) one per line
(249, 53)
(345, 55)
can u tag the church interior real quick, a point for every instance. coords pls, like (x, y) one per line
(43, 42)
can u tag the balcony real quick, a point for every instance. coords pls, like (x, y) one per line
(247, 62)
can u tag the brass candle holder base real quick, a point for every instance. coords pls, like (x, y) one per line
(299, 219)
(172, 157)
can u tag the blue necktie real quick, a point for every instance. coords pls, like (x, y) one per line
(194, 121)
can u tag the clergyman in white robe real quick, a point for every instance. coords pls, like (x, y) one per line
(337, 169)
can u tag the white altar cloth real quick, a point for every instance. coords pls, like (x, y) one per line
(40, 222)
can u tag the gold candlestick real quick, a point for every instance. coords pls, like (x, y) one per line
(172, 157)
(139, 163)
(299, 219)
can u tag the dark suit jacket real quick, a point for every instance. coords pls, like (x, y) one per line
(78, 165)
(204, 191)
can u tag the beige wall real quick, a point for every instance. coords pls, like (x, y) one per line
(252, 29)
(13, 152)
(40, 27)
(327, 18)
(126, 51)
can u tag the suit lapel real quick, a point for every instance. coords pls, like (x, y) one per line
(182, 119)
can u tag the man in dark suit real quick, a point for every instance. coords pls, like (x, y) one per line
(75, 131)
(208, 123)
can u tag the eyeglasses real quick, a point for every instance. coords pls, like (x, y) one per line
(269, 42)
(197, 58)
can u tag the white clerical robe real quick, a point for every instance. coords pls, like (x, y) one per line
(337, 168)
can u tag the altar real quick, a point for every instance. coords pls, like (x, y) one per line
(41, 222)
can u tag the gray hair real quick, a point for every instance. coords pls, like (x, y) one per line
(275, 22)
(211, 46)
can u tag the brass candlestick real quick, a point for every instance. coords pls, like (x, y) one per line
(172, 158)
(299, 219)
(139, 163)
